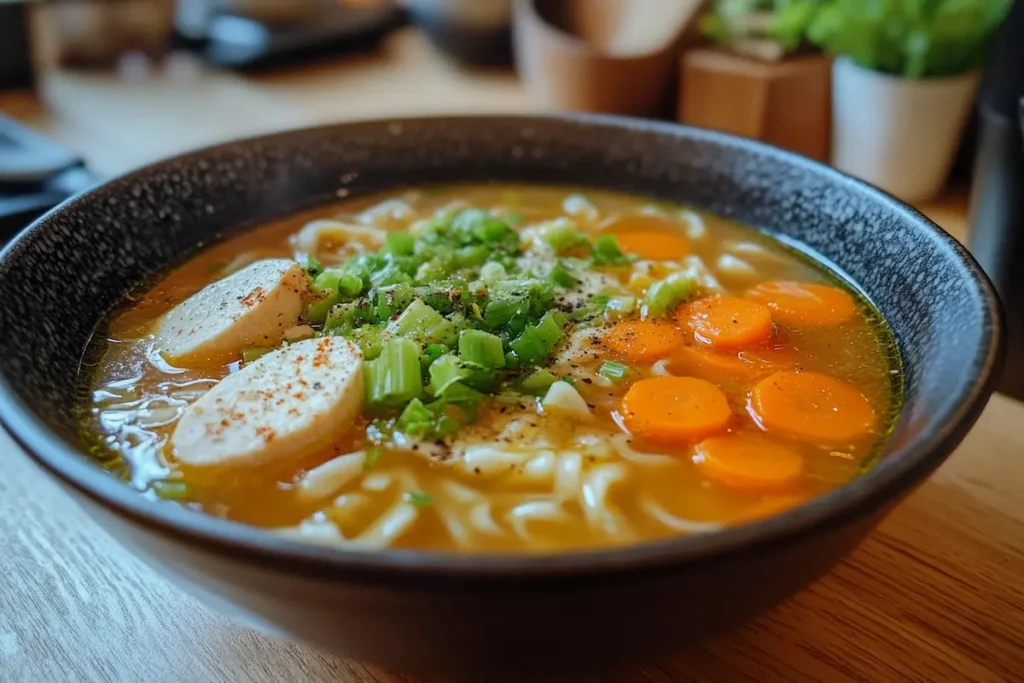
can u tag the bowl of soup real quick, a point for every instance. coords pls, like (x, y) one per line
(491, 395)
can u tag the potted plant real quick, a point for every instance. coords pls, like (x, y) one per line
(903, 82)
(760, 79)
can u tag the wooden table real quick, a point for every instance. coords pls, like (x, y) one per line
(936, 594)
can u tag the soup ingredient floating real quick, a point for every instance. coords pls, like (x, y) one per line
(493, 368)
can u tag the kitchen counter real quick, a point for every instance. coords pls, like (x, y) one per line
(935, 594)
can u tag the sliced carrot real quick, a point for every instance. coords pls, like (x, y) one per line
(802, 304)
(769, 506)
(749, 462)
(643, 341)
(650, 237)
(675, 410)
(726, 321)
(812, 407)
(737, 366)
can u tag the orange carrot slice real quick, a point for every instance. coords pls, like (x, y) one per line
(650, 237)
(643, 341)
(675, 410)
(749, 462)
(736, 366)
(726, 321)
(768, 506)
(812, 407)
(800, 304)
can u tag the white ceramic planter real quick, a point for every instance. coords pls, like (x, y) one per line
(897, 133)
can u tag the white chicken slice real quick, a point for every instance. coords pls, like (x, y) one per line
(282, 407)
(253, 307)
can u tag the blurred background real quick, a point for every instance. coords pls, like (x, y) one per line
(920, 97)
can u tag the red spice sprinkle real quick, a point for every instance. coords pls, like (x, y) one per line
(254, 297)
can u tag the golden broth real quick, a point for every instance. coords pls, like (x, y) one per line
(624, 495)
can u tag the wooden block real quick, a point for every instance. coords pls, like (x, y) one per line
(786, 103)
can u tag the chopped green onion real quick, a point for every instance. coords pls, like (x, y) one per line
(500, 311)
(481, 347)
(431, 271)
(345, 317)
(613, 371)
(435, 351)
(418, 499)
(394, 378)
(370, 340)
(664, 296)
(350, 285)
(392, 300)
(313, 267)
(472, 256)
(538, 383)
(481, 225)
(423, 324)
(514, 218)
(620, 306)
(399, 243)
(444, 372)
(253, 353)
(605, 252)
(549, 330)
(561, 235)
(373, 454)
(492, 272)
(530, 347)
(170, 490)
(390, 274)
(426, 421)
(562, 276)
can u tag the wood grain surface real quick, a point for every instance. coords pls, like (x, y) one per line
(935, 594)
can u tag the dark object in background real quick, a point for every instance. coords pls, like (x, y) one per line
(997, 198)
(16, 69)
(238, 40)
(36, 174)
(475, 32)
(99, 33)
(474, 614)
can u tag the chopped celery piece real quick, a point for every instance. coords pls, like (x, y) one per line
(416, 419)
(461, 394)
(399, 243)
(538, 383)
(470, 257)
(394, 378)
(313, 267)
(482, 348)
(422, 324)
(390, 274)
(435, 351)
(514, 218)
(492, 272)
(620, 306)
(318, 309)
(254, 353)
(444, 372)
(418, 499)
(500, 311)
(432, 270)
(530, 347)
(665, 295)
(170, 490)
(549, 331)
(348, 316)
(605, 252)
(614, 371)
(563, 277)
(350, 285)
(370, 340)
(392, 300)
(561, 235)
(480, 225)
(539, 292)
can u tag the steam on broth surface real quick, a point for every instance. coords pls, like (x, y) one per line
(493, 368)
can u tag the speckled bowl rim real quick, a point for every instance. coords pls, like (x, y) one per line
(893, 477)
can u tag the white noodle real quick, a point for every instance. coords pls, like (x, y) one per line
(621, 444)
(452, 520)
(313, 233)
(540, 468)
(734, 266)
(695, 228)
(489, 461)
(593, 444)
(388, 527)
(578, 206)
(660, 368)
(325, 479)
(594, 495)
(652, 508)
(477, 504)
(377, 481)
(534, 511)
(567, 476)
(315, 530)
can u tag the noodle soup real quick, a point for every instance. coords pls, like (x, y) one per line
(493, 368)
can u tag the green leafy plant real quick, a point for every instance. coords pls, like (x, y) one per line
(784, 22)
(909, 38)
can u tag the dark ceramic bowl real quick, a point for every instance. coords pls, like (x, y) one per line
(517, 615)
